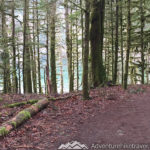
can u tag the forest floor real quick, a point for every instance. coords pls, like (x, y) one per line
(112, 116)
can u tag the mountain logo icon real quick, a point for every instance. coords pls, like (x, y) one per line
(73, 145)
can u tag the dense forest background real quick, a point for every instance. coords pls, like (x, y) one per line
(50, 46)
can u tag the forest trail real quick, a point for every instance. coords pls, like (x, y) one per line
(123, 121)
(126, 123)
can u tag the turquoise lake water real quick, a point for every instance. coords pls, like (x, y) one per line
(65, 76)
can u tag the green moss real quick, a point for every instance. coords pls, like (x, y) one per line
(3, 131)
(1, 99)
(32, 101)
(25, 114)
(90, 59)
(21, 103)
(53, 99)
(16, 104)
(37, 105)
(14, 124)
(34, 104)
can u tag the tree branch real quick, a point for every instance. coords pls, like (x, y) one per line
(77, 6)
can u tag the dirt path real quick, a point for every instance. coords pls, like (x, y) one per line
(126, 123)
(121, 122)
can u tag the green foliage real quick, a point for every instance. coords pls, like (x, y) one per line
(74, 15)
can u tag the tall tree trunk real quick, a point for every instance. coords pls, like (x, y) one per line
(26, 51)
(96, 38)
(77, 52)
(112, 38)
(33, 54)
(19, 72)
(5, 53)
(62, 79)
(142, 41)
(47, 49)
(69, 48)
(121, 24)
(38, 48)
(71, 55)
(15, 80)
(86, 52)
(128, 45)
(53, 59)
(116, 45)
(82, 27)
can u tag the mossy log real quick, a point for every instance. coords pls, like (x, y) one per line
(22, 116)
(27, 113)
(21, 103)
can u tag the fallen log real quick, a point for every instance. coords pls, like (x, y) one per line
(22, 116)
(27, 113)
(65, 97)
(21, 103)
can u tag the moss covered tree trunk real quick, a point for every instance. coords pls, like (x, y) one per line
(26, 51)
(5, 53)
(96, 38)
(15, 80)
